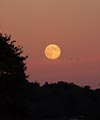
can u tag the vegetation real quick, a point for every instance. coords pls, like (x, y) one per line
(12, 73)
(30, 101)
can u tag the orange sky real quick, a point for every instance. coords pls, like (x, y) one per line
(72, 24)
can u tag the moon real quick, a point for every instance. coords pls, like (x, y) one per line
(52, 51)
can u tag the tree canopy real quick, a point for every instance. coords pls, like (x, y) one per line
(12, 74)
(12, 64)
(12, 67)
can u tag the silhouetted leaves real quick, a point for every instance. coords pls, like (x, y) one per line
(12, 74)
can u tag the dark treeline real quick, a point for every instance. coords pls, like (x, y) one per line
(58, 100)
(22, 100)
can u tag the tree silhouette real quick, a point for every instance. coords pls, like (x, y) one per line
(12, 66)
(12, 72)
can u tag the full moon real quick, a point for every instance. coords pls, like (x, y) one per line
(52, 51)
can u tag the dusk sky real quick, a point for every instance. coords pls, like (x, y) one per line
(74, 25)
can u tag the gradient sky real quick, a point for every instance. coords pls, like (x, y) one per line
(72, 24)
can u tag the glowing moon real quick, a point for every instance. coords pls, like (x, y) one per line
(52, 51)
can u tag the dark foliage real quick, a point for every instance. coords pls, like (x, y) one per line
(22, 100)
(12, 74)
(59, 101)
